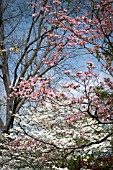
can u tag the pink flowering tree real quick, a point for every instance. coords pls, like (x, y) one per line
(70, 122)
(32, 44)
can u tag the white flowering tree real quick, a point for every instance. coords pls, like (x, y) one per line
(63, 128)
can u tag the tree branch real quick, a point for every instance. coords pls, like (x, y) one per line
(1, 124)
(89, 144)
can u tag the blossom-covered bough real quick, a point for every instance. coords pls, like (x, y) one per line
(67, 125)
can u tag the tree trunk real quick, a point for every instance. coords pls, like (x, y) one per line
(5, 72)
